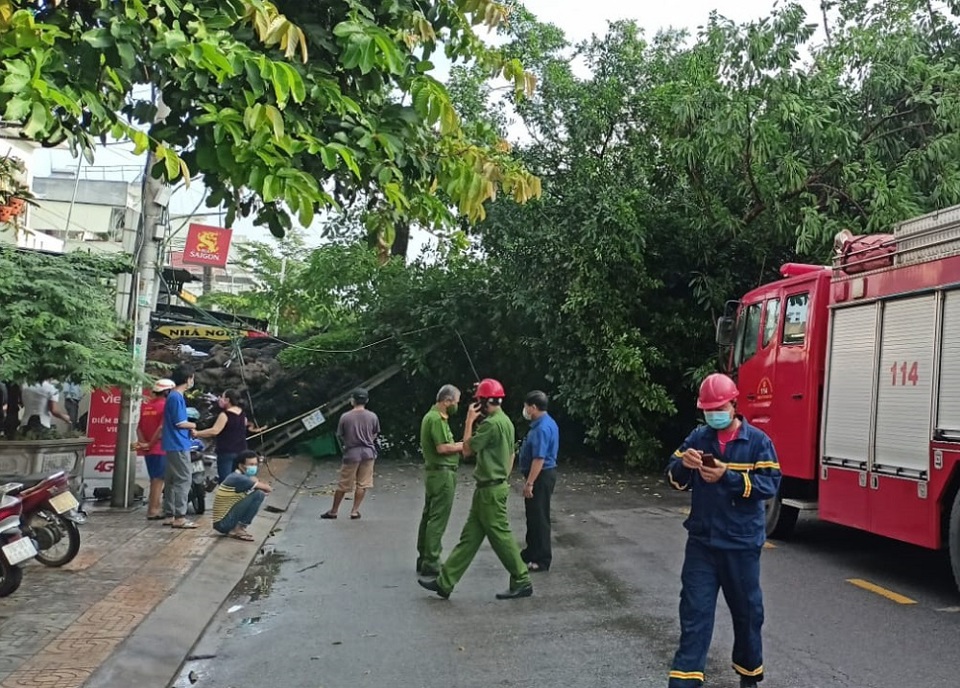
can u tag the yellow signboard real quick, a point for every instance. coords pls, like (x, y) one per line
(198, 332)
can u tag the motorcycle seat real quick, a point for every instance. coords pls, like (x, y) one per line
(26, 482)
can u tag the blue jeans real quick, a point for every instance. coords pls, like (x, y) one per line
(225, 463)
(241, 513)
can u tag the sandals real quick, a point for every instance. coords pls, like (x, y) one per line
(244, 535)
(185, 525)
(327, 514)
(158, 517)
(354, 517)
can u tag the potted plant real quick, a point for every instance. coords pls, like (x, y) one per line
(14, 193)
(57, 322)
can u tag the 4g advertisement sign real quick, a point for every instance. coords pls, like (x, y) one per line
(102, 421)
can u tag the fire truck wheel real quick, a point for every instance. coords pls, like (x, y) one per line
(780, 519)
(953, 543)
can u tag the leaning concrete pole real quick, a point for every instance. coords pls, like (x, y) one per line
(146, 284)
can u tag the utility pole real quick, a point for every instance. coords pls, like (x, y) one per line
(156, 197)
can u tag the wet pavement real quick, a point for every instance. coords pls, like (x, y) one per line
(63, 624)
(335, 604)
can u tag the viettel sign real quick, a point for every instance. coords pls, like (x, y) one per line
(207, 245)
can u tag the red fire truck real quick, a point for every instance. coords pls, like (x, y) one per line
(854, 372)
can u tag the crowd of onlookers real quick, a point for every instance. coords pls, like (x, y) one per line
(168, 435)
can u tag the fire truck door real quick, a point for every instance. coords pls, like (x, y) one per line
(753, 363)
(902, 441)
(795, 400)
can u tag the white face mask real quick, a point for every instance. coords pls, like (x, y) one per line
(526, 414)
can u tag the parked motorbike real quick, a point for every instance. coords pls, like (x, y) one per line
(52, 517)
(201, 459)
(15, 548)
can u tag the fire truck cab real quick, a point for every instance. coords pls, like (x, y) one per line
(853, 371)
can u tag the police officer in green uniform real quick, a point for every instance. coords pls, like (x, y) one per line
(441, 455)
(493, 445)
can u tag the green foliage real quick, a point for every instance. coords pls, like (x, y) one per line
(57, 320)
(276, 295)
(681, 174)
(677, 175)
(284, 109)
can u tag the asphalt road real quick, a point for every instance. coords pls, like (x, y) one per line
(335, 604)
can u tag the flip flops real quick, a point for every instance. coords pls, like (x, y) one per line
(328, 515)
(354, 517)
(245, 536)
(186, 525)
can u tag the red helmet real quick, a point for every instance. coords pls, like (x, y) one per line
(715, 391)
(489, 389)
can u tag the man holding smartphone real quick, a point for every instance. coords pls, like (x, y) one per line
(493, 445)
(732, 469)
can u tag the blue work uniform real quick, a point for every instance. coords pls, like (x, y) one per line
(726, 532)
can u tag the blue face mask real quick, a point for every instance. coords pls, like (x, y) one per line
(251, 470)
(718, 420)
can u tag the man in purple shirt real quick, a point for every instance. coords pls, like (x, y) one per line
(358, 431)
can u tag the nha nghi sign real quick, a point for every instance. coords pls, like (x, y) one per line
(207, 245)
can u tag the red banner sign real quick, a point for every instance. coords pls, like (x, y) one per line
(207, 245)
(102, 421)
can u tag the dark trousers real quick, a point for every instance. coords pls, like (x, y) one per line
(706, 571)
(538, 549)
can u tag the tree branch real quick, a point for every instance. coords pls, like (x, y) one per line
(758, 208)
(887, 118)
(606, 141)
(843, 194)
(748, 159)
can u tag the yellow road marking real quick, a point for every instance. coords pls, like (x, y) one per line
(883, 592)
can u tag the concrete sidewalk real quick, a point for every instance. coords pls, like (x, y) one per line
(130, 607)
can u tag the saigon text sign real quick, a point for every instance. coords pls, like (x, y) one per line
(207, 245)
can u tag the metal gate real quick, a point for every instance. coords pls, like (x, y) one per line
(850, 381)
(905, 385)
(948, 415)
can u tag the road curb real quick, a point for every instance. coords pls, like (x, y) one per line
(153, 654)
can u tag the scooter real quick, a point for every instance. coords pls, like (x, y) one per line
(52, 517)
(15, 548)
(200, 484)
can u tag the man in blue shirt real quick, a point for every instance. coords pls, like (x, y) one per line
(538, 464)
(175, 439)
(725, 533)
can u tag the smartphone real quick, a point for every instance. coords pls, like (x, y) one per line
(709, 460)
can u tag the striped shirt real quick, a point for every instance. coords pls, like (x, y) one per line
(229, 492)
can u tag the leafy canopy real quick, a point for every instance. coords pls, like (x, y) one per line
(678, 174)
(58, 321)
(282, 108)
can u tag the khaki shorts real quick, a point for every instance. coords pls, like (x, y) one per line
(356, 475)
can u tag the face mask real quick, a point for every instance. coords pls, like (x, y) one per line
(718, 420)
(251, 470)
(452, 409)
(223, 403)
(526, 414)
